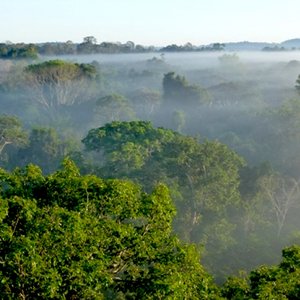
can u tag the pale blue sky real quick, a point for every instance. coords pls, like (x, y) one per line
(150, 22)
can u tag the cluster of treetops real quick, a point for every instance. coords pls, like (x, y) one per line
(90, 46)
(139, 210)
(71, 236)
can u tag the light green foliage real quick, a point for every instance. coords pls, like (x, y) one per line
(127, 146)
(110, 137)
(67, 236)
(60, 70)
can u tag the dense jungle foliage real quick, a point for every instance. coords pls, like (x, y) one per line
(148, 176)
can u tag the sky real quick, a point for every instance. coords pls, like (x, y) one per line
(149, 22)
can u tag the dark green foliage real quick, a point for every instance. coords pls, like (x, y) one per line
(180, 94)
(89, 45)
(189, 47)
(110, 137)
(18, 51)
(278, 282)
(235, 288)
(44, 147)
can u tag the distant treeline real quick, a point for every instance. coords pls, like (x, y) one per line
(278, 49)
(90, 46)
(11, 51)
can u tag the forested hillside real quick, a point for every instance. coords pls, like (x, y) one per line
(150, 176)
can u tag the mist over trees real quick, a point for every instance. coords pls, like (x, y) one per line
(190, 173)
(90, 45)
(57, 82)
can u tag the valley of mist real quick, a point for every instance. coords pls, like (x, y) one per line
(220, 129)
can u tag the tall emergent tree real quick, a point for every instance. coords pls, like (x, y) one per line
(58, 82)
(204, 177)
